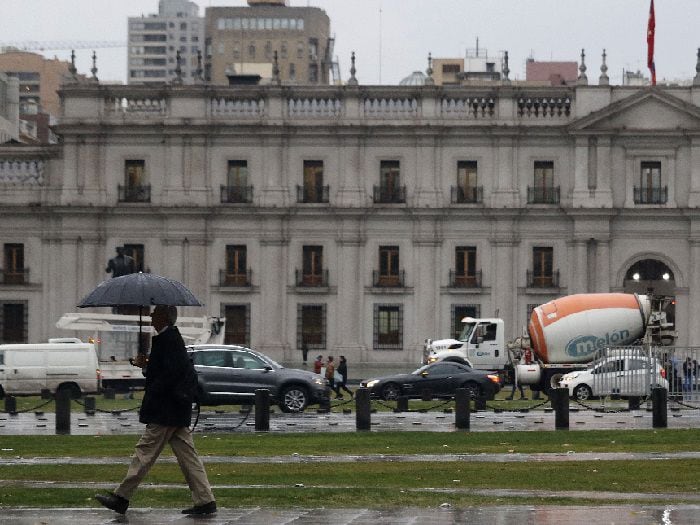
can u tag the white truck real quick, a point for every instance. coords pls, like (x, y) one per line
(116, 339)
(564, 335)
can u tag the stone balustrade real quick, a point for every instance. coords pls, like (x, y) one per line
(22, 172)
(136, 105)
(234, 107)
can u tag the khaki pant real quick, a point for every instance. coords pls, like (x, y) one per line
(149, 448)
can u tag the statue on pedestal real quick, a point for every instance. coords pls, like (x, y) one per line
(121, 264)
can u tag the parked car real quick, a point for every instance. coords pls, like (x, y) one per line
(441, 379)
(229, 374)
(616, 374)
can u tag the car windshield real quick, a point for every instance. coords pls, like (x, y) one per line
(467, 331)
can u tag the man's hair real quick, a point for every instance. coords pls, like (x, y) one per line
(170, 313)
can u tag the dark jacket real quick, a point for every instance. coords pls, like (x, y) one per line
(167, 366)
(343, 371)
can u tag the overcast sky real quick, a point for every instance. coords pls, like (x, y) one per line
(392, 38)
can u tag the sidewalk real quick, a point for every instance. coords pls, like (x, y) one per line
(444, 515)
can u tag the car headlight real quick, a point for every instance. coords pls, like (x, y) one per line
(570, 376)
(371, 383)
(319, 381)
(432, 359)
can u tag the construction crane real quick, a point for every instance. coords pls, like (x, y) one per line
(34, 45)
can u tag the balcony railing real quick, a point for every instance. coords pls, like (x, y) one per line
(14, 276)
(316, 194)
(236, 194)
(537, 195)
(657, 195)
(311, 279)
(467, 195)
(241, 279)
(393, 195)
(543, 281)
(135, 193)
(393, 280)
(465, 280)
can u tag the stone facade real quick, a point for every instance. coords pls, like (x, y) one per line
(568, 189)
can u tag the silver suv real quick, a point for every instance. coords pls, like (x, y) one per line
(229, 374)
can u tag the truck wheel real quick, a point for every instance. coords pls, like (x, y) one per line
(582, 392)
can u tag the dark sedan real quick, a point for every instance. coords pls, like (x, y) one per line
(229, 374)
(440, 379)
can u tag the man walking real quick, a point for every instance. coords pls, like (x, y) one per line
(166, 410)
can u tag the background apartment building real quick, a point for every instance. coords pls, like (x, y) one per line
(243, 40)
(155, 40)
(9, 108)
(39, 80)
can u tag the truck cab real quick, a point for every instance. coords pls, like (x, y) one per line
(481, 344)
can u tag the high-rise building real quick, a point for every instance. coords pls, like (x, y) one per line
(39, 80)
(9, 108)
(554, 73)
(154, 41)
(243, 40)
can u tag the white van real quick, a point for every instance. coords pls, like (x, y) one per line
(61, 364)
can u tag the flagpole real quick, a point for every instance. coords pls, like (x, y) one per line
(651, 33)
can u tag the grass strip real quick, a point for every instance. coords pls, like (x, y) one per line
(666, 476)
(362, 443)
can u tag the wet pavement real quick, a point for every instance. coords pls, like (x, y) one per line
(667, 514)
(105, 423)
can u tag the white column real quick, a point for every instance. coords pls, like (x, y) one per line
(350, 152)
(275, 171)
(427, 194)
(603, 193)
(581, 193)
(694, 197)
(506, 194)
(693, 298)
(273, 294)
(578, 265)
(349, 328)
(602, 281)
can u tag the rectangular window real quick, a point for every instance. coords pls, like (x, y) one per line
(389, 273)
(14, 271)
(388, 327)
(135, 188)
(313, 189)
(543, 191)
(292, 72)
(542, 267)
(390, 189)
(650, 190)
(465, 266)
(311, 326)
(237, 327)
(313, 73)
(467, 189)
(138, 253)
(459, 312)
(14, 323)
(237, 188)
(236, 265)
(312, 266)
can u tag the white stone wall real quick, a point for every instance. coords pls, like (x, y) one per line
(72, 222)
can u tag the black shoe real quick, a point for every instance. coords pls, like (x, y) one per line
(113, 502)
(207, 508)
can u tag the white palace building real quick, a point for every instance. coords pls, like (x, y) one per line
(355, 219)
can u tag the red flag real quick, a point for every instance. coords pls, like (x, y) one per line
(651, 30)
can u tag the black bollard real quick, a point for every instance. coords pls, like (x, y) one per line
(659, 401)
(634, 402)
(11, 405)
(90, 405)
(479, 402)
(462, 408)
(108, 393)
(363, 417)
(63, 411)
(262, 410)
(402, 404)
(559, 398)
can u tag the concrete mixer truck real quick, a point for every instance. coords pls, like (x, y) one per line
(564, 335)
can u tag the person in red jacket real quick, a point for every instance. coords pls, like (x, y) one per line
(318, 364)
